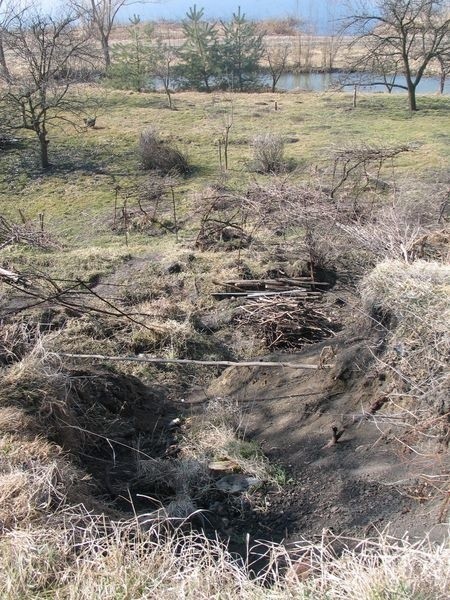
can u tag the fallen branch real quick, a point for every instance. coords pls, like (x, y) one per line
(187, 361)
(302, 293)
(10, 275)
(287, 283)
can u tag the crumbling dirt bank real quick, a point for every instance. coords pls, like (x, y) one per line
(364, 483)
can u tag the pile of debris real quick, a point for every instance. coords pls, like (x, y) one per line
(222, 235)
(25, 233)
(289, 312)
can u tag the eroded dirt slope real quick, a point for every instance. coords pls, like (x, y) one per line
(367, 481)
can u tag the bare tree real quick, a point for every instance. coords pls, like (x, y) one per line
(3, 26)
(8, 9)
(444, 70)
(100, 16)
(411, 32)
(221, 115)
(163, 58)
(47, 54)
(277, 57)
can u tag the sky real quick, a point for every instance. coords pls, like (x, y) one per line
(320, 12)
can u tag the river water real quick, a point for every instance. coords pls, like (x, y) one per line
(320, 82)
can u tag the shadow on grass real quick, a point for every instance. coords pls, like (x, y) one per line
(21, 162)
(131, 99)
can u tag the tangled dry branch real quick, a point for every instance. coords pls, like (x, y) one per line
(25, 233)
(289, 322)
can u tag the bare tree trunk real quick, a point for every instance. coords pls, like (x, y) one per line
(411, 96)
(106, 53)
(43, 144)
(3, 65)
(226, 142)
(166, 85)
(442, 82)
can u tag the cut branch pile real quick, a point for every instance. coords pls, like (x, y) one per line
(288, 310)
(226, 234)
(288, 322)
(25, 233)
(305, 287)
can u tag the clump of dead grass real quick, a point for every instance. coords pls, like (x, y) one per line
(415, 296)
(35, 476)
(185, 476)
(413, 300)
(157, 155)
(215, 436)
(33, 488)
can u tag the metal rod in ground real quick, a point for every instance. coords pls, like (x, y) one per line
(188, 361)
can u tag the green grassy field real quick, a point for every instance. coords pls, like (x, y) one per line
(77, 195)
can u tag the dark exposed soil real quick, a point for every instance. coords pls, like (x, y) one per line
(364, 483)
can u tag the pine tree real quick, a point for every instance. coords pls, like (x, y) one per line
(131, 62)
(199, 54)
(241, 51)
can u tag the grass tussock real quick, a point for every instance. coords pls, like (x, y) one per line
(413, 300)
(30, 490)
(215, 436)
(35, 476)
(159, 156)
(416, 296)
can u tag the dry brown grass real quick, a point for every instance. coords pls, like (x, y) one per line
(123, 563)
(416, 298)
(215, 436)
(49, 548)
(413, 301)
(35, 476)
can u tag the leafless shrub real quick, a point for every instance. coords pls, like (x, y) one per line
(351, 231)
(149, 207)
(361, 165)
(389, 236)
(223, 221)
(268, 153)
(159, 156)
(397, 226)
